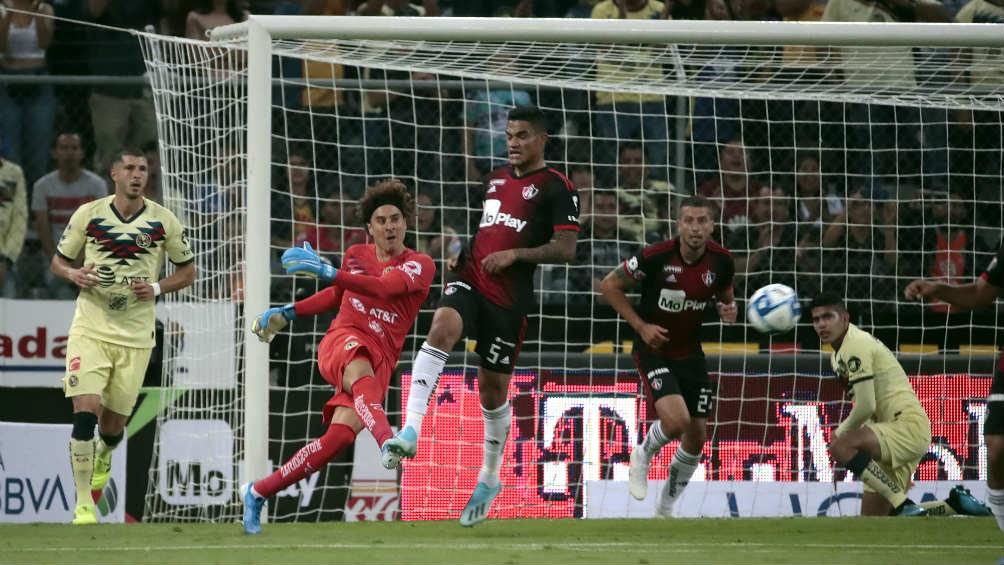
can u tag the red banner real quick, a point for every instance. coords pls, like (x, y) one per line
(575, 426)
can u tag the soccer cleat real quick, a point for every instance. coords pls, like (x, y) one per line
(85, 514)
(403, 444)
(102, 471)
(963, 502)
(664, 508)
(389, 459)
(478, 506)
(909, 509)
(638, 475)
(252, 510)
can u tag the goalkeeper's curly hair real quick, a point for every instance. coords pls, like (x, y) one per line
(390, 191)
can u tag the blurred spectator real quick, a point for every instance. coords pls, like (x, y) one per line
(860, 251)
(213, 13)
(54, 199)
(624, 115)
(153, 190)
(770, 241)
(337, 230)
(397, 8)
(122, 115)
(688, 9)
(733, 187)
(880, 136)
(984, 130)
(938, 240)
(581, 9)
(425, 124)
(435, 239)
(814, 211)
(293, 203)
(487, 115)
(13, 223)
(291, 69)
(644, 199)
(26, 110)
(603, 242)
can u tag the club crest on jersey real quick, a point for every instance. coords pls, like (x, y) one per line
(854, 364)
(350, 345)
(357, 304)
(143, 240)
(709, 278)
(530, 191)
(73, 380)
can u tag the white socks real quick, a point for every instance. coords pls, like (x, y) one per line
(680, 470)
(995, 500)
(654, 441)
(497, 423)
(428, 365)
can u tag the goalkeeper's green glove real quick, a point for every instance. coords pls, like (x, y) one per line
(271, 322)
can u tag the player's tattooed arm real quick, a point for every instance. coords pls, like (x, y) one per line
(561, 249)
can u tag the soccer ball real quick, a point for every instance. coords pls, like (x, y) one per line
(774, 309)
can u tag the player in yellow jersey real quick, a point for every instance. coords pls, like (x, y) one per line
(887, 432)
(124, 239)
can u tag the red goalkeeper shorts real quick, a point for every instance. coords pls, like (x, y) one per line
(339, 348)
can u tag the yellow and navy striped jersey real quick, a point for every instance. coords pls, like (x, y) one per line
(122, 250)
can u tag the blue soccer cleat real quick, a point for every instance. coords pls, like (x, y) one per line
(252, 510)
(963, 502)
(478, 506)
(403, 444)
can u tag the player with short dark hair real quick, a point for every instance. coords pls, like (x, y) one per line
(982, 292)
(678, 278)
(124, 238)
(887, 432)
(530, 216)
(377, 292)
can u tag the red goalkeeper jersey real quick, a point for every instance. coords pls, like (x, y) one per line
(378, 299)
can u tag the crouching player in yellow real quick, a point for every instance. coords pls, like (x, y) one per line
(887, 432)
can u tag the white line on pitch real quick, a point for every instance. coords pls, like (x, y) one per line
(584, 546)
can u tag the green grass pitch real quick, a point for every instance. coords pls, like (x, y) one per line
(782, 540)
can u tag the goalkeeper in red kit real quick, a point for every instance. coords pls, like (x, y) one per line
(377, 291)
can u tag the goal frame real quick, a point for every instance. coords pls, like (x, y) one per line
(258, 32)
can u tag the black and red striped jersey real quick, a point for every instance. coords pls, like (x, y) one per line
(675, 293)
(519, 212)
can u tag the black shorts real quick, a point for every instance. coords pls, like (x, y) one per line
(686, 377)
(499, 331)
(994, 424)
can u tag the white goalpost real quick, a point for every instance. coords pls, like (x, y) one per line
(270, 131)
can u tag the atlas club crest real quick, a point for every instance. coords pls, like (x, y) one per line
(530, 191)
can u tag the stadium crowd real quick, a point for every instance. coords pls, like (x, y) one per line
(849, 198)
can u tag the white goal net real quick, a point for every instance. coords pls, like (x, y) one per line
(851, 166)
